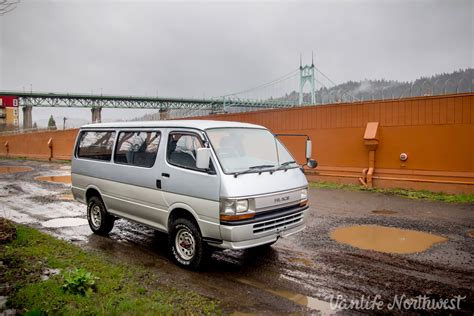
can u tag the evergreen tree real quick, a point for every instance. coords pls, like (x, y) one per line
(51, 123)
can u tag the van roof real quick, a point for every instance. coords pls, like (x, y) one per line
(198, 124)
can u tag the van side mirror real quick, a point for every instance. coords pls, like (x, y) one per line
(309, 149)
(203, 156)
(312, 163)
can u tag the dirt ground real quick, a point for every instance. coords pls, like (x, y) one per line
(301, 274)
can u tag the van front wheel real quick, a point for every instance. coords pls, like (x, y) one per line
(99, 220)
(186, 244)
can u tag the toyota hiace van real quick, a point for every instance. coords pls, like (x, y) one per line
(208, 184)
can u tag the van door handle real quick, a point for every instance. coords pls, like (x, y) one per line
(165, 175)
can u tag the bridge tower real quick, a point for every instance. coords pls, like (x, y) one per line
(307, 75)
(96, 114)
(27, 116)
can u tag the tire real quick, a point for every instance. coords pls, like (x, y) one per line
(186, 245)
(100, 222)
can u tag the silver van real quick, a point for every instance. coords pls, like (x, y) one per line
(208, 184)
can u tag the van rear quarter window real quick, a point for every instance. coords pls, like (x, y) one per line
(96, 145)
(137, 148)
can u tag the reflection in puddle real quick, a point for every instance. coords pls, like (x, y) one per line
(55, 179)
(65, 222)
(384, 212)
(14, 169)
(385, 239)
(300, 299)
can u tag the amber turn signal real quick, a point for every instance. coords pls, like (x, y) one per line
(237, 217)
(304, 203)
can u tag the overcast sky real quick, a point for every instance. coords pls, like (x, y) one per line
(210, 48)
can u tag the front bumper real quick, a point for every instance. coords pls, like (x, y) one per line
(263, 229)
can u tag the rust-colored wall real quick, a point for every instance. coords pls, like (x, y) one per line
(35, 145)
(436, 132)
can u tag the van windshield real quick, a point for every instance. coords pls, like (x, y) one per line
(245, 149)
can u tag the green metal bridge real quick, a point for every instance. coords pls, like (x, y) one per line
(265, 96)
(97, 102)
(45, 99)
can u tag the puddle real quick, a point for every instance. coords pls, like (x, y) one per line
(55, 179)
(65, 222)
(384, 212)
(301, 261)
(386, 239)
(300, 299)
(14, 169)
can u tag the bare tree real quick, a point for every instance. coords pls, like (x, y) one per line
(8, 6)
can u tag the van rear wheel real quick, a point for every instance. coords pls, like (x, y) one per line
(186, 244)
(100, 221)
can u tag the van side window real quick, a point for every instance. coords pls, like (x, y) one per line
(181, 149)
(96, 145)
(137, 148)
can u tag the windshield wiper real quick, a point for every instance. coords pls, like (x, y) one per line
(287, 163)
(251, 169)
(283, 165)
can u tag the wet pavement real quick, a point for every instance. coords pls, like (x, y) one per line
(423, 248)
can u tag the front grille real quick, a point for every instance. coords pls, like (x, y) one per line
(280, 222)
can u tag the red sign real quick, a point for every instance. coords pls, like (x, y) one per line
(8, 101)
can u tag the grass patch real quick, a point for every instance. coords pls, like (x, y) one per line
(411, 194)
(87, 283)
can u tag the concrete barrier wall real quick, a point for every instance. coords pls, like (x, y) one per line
(437, 133)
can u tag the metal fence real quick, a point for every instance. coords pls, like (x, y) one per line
(15, 131)
(393, 91)
(389, 91)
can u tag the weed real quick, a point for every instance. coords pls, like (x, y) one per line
(79, 281)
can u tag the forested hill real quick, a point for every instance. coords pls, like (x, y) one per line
(457, 81)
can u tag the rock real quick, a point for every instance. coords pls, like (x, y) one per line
(9, 312)
(3, 302)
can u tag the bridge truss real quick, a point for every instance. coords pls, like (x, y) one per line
(36, 99)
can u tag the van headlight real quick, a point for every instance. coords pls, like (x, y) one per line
(232, 209)
(304, 194)
(304, 197)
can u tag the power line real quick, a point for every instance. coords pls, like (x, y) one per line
(282, 78)
(334, 84)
